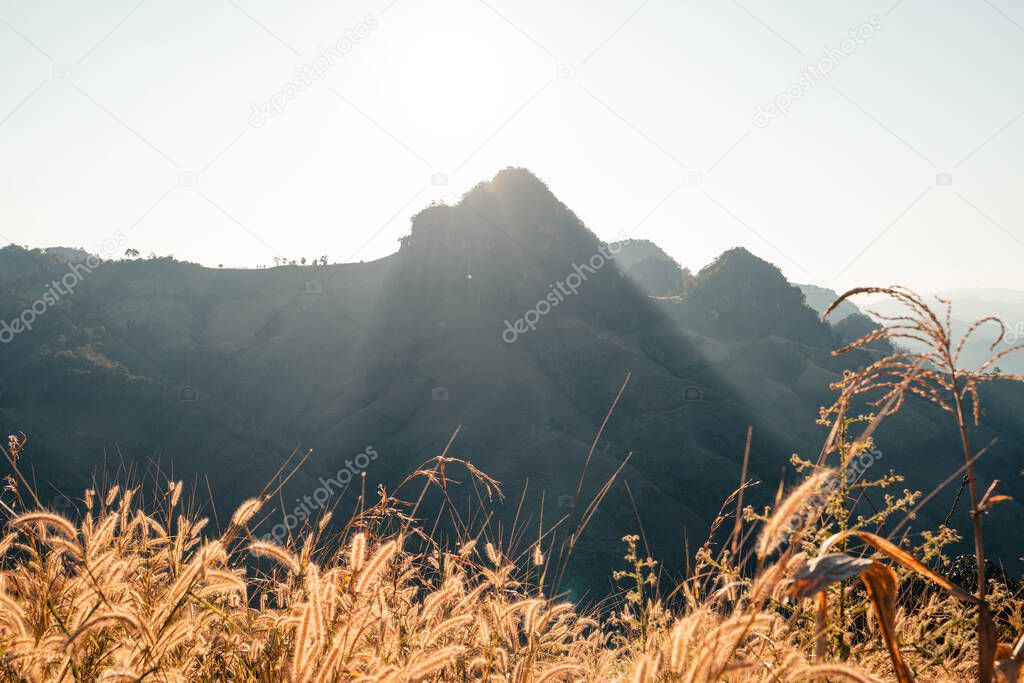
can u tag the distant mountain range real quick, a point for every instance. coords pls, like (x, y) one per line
(503, 314)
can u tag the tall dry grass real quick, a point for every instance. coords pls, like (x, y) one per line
(126, 594)
(133, 591)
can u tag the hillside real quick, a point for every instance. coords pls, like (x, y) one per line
(219, 374)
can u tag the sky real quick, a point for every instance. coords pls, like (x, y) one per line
(889, 157)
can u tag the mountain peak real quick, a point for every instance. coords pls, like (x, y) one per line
(517, 178)
(739, 256)
(510, 184)
(750, 296)
(514, 208)
(650, 268)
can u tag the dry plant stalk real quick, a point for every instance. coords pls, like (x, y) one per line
(935, 375)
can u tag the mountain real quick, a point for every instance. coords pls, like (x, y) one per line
(649, 268)
(501, 315)
(986, 294)
(820, 298)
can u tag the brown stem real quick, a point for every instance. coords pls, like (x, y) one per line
(821, 628)
(986, 627)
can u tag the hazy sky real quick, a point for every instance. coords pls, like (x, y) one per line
(640, 115)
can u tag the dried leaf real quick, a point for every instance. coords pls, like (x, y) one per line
(1008, 667)
(881, 584)
(818, 573)
(904, 559)
(994, 500)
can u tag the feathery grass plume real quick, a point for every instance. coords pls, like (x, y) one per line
(433, 602)
(560, 672)
(492, 554)
(246, 510)
(531, 614)
(191, 574)
(333, 656)
(433, 662)
(324, 521)
(174, 488)
(47, 519)
(785, 519)
(451, 624)
(376, 565)
(60, 544)
(357, 551)
(307, 638)
(105, 620)
(680, 642)
(111, 495)
(272, 550)
(646, 669)
(722, 641)
(774, 579)
(314, 589)
(6, 542)
(12, 616)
